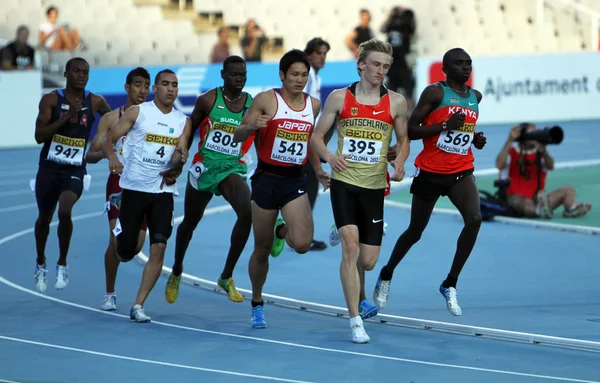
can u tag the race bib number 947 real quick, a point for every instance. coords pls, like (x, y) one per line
(220, 139)
(290, 147)
(362, 150)
(457, 141)
(66, 150)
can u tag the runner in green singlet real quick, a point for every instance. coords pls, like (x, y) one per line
(219, 168)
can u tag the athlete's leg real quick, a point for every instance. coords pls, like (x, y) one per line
(111, 261)
(523, 206)
(465, 196)
(235, 190)
(312, 190)
(299, 228)
(65, 226)
(567, 197)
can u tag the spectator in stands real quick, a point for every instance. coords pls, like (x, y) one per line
(220, 50)
(361, 33)
(18, 55)
(58, 37)
(400, 28)
(253, 42)
(526, 170)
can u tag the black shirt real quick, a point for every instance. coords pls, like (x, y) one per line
(20, 56)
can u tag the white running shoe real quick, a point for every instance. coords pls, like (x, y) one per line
(381, 292)
(451, 300)
(334, 236)
(359, 335)
(62, 277)
(41, 278)
(137, 315)
(110, 303)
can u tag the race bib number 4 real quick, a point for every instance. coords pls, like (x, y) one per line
(361, 150)
(66, 150)
(220, 139)
(457, 141)
(290, 147)
(158, 149)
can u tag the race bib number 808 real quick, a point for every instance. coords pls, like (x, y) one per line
(220, 139)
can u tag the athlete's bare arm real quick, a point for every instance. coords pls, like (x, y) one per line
(401, 129)
(201, 110)
(180, 156)
(257, 116)
(331, 110)
(99, 105)
(95, 154)
(120, 129)
(44, 128)
(431, 97)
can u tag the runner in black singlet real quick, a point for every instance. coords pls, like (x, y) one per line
(63, 125)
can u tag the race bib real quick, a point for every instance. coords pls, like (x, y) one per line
(362, 150)
(457, 141)
(158, 149)
(220, 139)
(66, 150)
(290, 147)
(197, 169)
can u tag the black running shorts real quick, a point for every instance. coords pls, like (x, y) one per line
(271, 192)
(135, 205)
(50, 184)
(430, 186)
(353, 205)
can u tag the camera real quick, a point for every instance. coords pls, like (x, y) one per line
(547, 136)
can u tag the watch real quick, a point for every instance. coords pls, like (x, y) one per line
(444, 126)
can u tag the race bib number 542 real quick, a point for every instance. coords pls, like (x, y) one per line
(456, 141)
(290, 147)
(66, 150)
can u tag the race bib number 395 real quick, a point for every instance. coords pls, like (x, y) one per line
(290, 147)
(456, 141)
(158, 149)
(66, 150)
(220, 139)
(362, 150)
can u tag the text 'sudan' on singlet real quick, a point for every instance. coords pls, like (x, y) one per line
(216, 133)
(364, 134)
(282, 146)
(66, 149)
(450, 151)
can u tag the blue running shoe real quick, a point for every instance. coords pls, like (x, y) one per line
(451, 298)
(367, 310)
(258, 317)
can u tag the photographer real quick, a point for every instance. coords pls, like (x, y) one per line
(526, 166)
(400, 28)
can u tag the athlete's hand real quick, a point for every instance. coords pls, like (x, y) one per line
(456, 121)
(261, 122)
(399, 171)
(324, 179)
(391, 153)
(115, 166)
(169, 177)
(184, 154)
(479, 140)
(338, 163)
(75, 107)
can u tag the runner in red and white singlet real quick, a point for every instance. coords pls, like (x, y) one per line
(137, 86)
(283, 120)
(444, 119)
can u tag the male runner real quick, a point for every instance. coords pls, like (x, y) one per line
(367, 114)
(219, 168)
(157, 140)
(137, 86)
(63, 125)
(445, 119)
(283, 120)
(316, 51)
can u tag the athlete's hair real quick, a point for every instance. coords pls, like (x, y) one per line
(50, 9)
(233, 60)
(449, 56)
(315, 44)
(370, 46)
(292, 57)
(137, 72)
(157, 77)
(74, 60)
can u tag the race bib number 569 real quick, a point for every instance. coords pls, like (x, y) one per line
(456, 141)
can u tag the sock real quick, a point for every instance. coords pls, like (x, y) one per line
(254, 304)
(386, 274)
(450, 282)
(111, 294)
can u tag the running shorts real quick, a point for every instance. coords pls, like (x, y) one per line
(272, 192)
(430, 186)
(208, 176)
(50, 184)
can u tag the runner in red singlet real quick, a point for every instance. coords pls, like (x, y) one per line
(445, 119)
(137, 86)
(283, 121)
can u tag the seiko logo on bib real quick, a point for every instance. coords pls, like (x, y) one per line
(159, 149)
